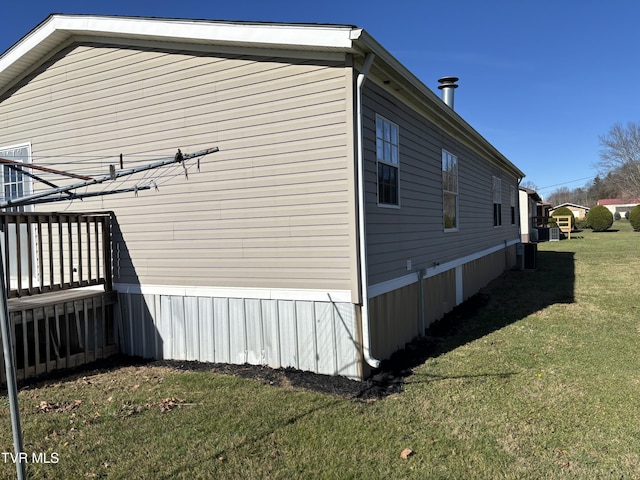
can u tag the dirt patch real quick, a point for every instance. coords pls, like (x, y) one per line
(387, 380)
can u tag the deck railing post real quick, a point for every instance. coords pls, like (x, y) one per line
(79, 273)
(70, 249)
(106, 251)
(30, 254)
(87, 226)
(96, 227)
(61, 250)
(18, 253)
(7, 259)
(39, 249)
(50, 242)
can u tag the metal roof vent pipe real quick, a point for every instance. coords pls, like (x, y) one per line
(448, 85)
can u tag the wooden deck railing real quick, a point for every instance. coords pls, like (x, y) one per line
(564, 223)
(45, 252)
(540, 222)
(48, 259)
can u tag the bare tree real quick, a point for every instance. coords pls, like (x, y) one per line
(620, 157)
(560, 195)
(530, 185)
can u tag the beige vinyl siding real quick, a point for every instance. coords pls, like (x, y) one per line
(272, 209)
(415, 231)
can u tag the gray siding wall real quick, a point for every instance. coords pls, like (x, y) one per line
(414, 231)
(274, 208)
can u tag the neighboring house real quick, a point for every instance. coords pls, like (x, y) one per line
(619, 205)
(528, 201)
(534, 214)
(579, 211)
(348, 208)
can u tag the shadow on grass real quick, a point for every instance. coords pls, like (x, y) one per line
(511, 297)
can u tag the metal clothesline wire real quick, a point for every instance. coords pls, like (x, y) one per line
(93, 160)
(147, 179)
(150, 177)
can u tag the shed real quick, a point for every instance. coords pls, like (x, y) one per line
(579, 211)
(348, 208)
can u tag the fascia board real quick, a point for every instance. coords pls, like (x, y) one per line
(57, 30)
(283, 35)
(61, 27)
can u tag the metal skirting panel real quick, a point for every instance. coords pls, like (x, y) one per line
(480, 272)
(308, 335)
(440, 295)
(400, 315)
(395, 320)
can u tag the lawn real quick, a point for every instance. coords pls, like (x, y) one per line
(541, 382)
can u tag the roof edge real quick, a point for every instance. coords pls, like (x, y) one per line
(59, 29)
(284, 34)
(444, 112)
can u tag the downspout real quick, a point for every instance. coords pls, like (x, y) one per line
(362, 239)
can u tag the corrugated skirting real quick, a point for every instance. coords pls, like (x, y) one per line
(314, 336)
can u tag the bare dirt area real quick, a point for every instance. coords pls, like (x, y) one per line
(387, 380)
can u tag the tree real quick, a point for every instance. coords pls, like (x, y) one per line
(620, 157)
(530, 185)
(634, 217)
(602, 188)
(599, 218)
(560, 195)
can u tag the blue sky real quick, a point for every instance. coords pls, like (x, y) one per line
(541, 80)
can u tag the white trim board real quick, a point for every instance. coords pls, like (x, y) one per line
(400, 282)
(340, 296)
(58, 28)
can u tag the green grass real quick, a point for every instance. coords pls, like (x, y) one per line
(542, 382)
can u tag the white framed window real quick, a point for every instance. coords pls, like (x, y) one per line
(497, 202)
(388, 161)
(449, 190)
(513, 205)
(14, 182)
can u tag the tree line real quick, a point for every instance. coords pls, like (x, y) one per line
(618, 170)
